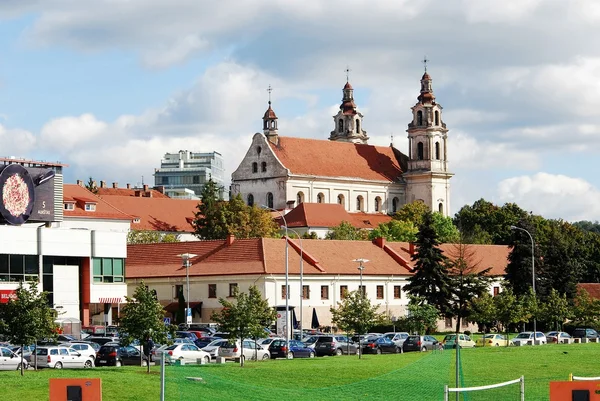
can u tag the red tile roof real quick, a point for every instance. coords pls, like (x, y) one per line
(104, 210)
(331, 215)
(337, 159)
(593, 289)
(130, 192)
(158, 214)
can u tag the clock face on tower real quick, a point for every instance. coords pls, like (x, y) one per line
(17, 189)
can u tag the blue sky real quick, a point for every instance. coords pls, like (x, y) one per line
(109, 86)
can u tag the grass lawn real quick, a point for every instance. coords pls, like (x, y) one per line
(410, 376)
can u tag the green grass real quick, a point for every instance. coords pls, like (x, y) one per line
(410, 376)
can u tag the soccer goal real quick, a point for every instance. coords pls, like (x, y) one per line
(521, 381)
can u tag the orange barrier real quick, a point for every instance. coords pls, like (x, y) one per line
(575, 391)
(75, 389)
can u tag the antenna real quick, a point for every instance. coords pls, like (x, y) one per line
(425, 61)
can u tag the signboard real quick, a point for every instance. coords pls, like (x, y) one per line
(6, 295)
(281, 324)
(167, 321)
(26, 193)
(188, 315)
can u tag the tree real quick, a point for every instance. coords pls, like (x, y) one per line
(142, 318)
(467, 281)
(347, 232)
(395, 230)
(261, 223)
(27, 317)
(484, 312)
(246, 316)
(586, 310)
(412, 212)
(149, 237)
(91, 186)
(422, 317)
(509, 309)
(355, 313)
(431, 281)
(588, 226)
(556, 309)
(445, 229)
(210, 221)
(519, 267)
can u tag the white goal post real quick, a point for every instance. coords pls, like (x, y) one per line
(574, 378)
(521, 380)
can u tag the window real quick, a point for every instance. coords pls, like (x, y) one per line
(343, 291)
(164, 180)
(437, 151)
(341, 199)
(395, 204)
(300, 197)
(324, 292)
(320, 198)
(397, 292)
(232, 289)
(69, 206)
(379, 292)
(340, 125)
(448, 322)
(90, 207)
(250, 200)
(420, 151)
(259, 149)
(362, 289)
(178, 290)
(17, 268)
(357, 126)
(196, 179)
(377, 204)
(212, 290)
(441, 208)
(255, 167)
(284, 292)
(419, 117)
(108, 270)
(305, 292)
(270, 200)
(359, 203)
(437, 117)
(496, 291)
(263, 167)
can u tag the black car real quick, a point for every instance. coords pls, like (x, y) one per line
(420, 343)
(114, 354)
(582, 332)
(379, 345)
(204, 341)
(294, 349)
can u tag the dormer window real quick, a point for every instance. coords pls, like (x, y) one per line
(90, 207)
(69, 206)
(137, 220)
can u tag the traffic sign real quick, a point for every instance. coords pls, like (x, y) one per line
(167, 321)
(188, 315)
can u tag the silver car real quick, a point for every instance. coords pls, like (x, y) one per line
(252, 351)
(59, 357)
(213, 347)
(10, 361)
(398, 338)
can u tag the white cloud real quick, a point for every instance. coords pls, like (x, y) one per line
(16, 142)
(499, 11)
(66, 133)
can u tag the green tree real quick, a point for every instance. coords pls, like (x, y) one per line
(142, 318)
(210, 221)
(445, 229)
(245, 316)
(347, 232)
(261, 224)
(27, 317)
(91, 186)
(149, 237)
(431, 281)
(509, 309)
(586, 311)
(422, 318)
(484, 312)
(555, 310)
(355, 313)
(412, 212)
(519, 267)
(395, 230)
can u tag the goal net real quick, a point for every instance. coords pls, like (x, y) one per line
(488, 392)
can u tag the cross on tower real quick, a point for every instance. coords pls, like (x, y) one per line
(425, 61)
(347, 73)
(269, 89)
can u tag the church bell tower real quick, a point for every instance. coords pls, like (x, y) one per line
(348, 121)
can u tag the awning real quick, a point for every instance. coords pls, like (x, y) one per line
(114, 300)
(173, 306)
(315, 320)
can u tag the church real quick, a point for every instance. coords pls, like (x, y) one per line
(282, 172)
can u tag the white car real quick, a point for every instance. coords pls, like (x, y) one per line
(213, 347)
(398, 338)
(526, 338)
(85, 349)
(265, 342)
(11, 361)
(188, 353)
(59, 357)
(252, 350)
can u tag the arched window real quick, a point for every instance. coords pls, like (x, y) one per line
(266, 124)
(441, 208)
(420, 151)
(419, 117)
(340, 125)
(437, 117)
(395, 204)
(270, 200)
(377, 204)
(300, 197)
(263, 167)
(255, 167)
(360, 203)
(437, 150)
(320, 198)
(273, 124)
(341, 200)
(250, 200)
(258, 150)
(357, 126)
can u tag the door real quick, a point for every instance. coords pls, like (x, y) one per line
(5, 362)
(131, 356)
(68, 361)
(67, 279)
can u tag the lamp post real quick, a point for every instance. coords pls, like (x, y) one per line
(186, 262)
(532, 271)
(287, 292)
(301, 277)
(361, 267)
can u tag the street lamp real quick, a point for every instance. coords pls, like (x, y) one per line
(287, 294)
(186, 262)
(361, 267)
(301, 277)
(532, 271)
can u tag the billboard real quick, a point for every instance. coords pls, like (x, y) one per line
(27, 194)
(6, 295)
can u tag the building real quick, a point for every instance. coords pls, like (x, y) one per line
(189, 170)
(283, 172)
(329, 270)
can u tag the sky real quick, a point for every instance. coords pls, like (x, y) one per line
(108, 87)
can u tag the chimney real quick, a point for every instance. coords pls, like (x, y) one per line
(80, 183)
(379, 241)
(102, 184)
(115, 185)
(138, 193)
(128, 186)
(145, 187)
(290, 204)
(230, 239)
(411, 248)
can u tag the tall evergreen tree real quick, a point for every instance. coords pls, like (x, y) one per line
(431, 281)
(210, 220)
(519, 268)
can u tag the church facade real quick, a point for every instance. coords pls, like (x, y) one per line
(281, 172)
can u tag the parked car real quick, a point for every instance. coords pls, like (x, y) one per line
(464, 341)
(266, 342)
(398, 337)
(186, 334)
(294, 349)
(252, 350)
(10, 361)
(379, 345)
(114, 354)
(420, 343)
(495, 340)
(102, 340)
(335, 345)
(582, 332)
(204, 341)
(310, 341)
(213, 347)
(526, 338)
(29, 350)
(88, 349)
(557, 337)
(59, 356)
(188, 353)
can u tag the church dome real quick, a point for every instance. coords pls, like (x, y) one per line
(269, 114)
